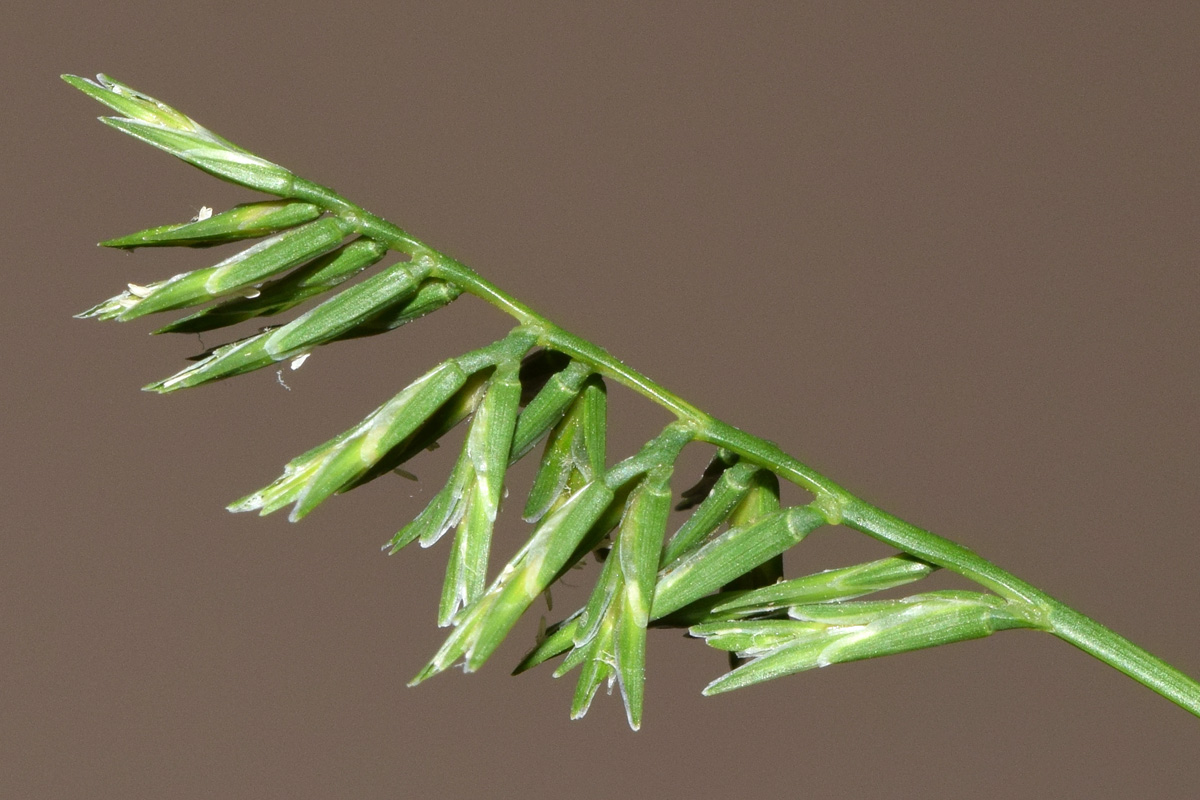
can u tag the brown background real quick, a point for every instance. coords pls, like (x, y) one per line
(946, 253)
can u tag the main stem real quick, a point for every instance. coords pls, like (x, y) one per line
(837, 504)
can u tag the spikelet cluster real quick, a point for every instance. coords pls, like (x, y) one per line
(718, 574)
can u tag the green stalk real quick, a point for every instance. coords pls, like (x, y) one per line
(838, 505)
(1117, 651)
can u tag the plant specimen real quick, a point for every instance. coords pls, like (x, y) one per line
(719, 575)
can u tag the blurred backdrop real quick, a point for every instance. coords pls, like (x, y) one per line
(943, 252)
